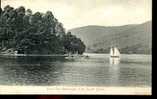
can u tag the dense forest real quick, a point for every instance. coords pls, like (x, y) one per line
(35, 33)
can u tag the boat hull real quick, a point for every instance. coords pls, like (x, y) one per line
(115, 56)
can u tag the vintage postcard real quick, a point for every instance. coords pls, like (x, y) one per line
(76, 47)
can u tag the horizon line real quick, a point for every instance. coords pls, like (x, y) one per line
(110, 25)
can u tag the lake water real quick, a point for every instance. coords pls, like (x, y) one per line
(96, 70)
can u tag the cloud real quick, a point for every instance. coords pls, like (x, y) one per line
(76, 13)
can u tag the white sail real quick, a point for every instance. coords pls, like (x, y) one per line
(111, 52)
(116, 52)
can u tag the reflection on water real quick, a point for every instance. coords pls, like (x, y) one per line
(114, 61)
(115, 75)
(30, 70)
(93, 71)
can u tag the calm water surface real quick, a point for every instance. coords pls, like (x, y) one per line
(133, 70)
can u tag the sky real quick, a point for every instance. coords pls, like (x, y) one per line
(78, 13)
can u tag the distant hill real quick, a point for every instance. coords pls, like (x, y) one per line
(134, 38)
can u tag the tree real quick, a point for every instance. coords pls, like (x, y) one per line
(72, 44)
(36, 33)
(19, 18)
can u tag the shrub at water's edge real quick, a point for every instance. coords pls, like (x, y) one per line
(38, 33)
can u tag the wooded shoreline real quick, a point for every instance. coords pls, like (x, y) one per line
(26, 32)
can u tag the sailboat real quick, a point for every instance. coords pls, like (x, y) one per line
(114, 52)
(114, 56)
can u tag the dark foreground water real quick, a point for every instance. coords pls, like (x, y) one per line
(133, 70)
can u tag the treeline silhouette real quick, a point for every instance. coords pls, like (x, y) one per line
(35, 33)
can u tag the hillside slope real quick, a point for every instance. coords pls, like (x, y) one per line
(134, 38)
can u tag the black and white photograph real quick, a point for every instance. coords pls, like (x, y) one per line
(76, 47)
